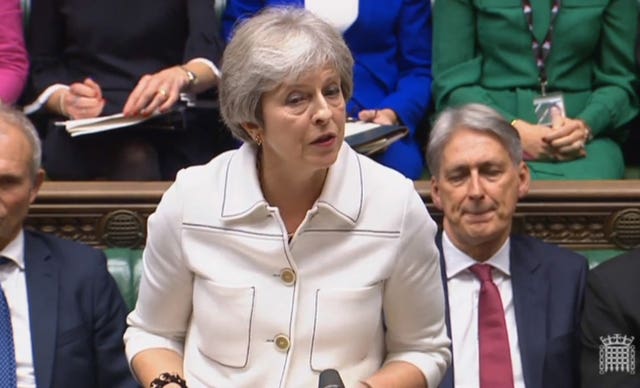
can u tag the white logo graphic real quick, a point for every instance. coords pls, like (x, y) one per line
(617, 354)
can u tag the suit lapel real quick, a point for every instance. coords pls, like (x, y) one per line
(529, 299)
(447, 380)
(42, 294)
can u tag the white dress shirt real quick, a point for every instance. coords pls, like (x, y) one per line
(341, 14)
(13, 281)
(222, 285)
(464, 291)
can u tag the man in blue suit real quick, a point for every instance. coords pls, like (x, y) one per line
(478, 176)
(65, 318)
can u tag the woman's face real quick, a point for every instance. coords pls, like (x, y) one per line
(303, 122)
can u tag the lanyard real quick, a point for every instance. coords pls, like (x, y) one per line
(541, 51)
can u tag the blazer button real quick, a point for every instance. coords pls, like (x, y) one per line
(287, 276)
(282, 342)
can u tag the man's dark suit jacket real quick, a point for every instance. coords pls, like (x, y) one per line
(77, 316)
(548, 287)
(611, 306)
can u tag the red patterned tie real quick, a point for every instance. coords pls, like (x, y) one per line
(495, 358)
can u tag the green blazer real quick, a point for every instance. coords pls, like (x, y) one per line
(482, 53)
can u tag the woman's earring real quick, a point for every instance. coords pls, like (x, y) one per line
(258, 140)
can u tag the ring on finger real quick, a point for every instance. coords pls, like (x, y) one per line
(163, 92)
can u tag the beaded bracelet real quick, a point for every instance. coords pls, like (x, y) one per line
(168, 378)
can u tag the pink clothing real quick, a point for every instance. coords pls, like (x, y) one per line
(14, 63)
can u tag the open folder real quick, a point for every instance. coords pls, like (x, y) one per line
(369, 138)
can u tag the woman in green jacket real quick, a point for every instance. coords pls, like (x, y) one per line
(575, 54)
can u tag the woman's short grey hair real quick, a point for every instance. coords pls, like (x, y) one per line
(15, 118)
(475, 117)
(278, 44)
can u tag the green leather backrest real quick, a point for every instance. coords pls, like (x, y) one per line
(125, 266)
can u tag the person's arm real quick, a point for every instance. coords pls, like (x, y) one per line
(197, 73)
(157, 326)
(413, 305)
(109, 324)
(457, 62)
(614, 101)
(46, 47)
(150, 364)
(14, 64)
(605, 314)
(412, 94)
(237, 10)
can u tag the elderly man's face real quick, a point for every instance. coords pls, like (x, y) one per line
(477, 188)
(18, 188)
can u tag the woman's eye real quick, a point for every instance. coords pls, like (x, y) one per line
(295, 99)
(332, 91)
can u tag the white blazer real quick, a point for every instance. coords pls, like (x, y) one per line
(359, 284)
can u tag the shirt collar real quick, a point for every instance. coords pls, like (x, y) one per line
(457, 261)
(342, 194)
(15, 250)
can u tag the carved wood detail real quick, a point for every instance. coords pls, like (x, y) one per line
(577, 215)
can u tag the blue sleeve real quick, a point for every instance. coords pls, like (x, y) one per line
(412, 94)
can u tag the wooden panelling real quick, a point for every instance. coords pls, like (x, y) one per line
(574, 214)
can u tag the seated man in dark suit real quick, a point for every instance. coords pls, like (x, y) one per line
(61, 315)
(611, 324)
(513, 302)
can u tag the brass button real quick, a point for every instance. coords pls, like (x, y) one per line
(287, 276)
(282, 342)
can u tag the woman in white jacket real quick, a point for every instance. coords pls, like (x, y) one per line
(293, 254)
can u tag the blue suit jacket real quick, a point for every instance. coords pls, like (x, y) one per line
(391, 44)
(548, 287)
(77, 316)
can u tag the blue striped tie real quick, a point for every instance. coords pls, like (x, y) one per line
(7, 350)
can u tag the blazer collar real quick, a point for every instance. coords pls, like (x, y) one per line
(42, 295)
(529, 299)
(447, 379)
(342, 195)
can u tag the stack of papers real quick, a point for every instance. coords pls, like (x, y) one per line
(81, 127)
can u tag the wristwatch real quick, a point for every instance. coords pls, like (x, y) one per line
(191, 76)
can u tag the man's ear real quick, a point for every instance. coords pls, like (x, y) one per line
(435, 193)
(37, 183)
(524, 174)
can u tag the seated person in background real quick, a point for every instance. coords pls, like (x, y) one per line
(506, 54)
(273, 263)
(391, 44)
(61, 314)
(14, 63)
(612, 314)
(513, 302)
(103, 57)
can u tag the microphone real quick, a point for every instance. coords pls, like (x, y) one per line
(330, 378)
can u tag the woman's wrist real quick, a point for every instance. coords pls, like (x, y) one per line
(168, 380)
(61, 104)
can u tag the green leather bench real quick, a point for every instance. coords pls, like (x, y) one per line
(125, 266)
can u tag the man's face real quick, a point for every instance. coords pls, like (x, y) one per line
(18, 188)
(477, 188)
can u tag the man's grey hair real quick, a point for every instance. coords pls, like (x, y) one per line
(475, 117)
(15, 118)
(278, 44)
